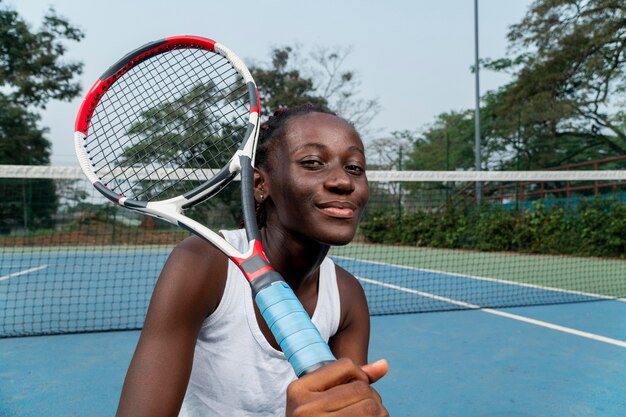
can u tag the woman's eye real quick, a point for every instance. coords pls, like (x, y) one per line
(355, 169)
(311, 163)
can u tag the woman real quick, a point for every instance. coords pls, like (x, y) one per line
(205, 349)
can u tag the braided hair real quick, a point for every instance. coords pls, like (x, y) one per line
(271, 132)
(274, 128)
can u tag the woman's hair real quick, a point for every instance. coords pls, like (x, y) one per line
(271, 132)
(274, 128)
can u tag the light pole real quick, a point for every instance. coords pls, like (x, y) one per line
(477, 156)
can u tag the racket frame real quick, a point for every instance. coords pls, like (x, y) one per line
(304, 347)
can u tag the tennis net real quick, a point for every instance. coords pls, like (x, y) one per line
(70, 261)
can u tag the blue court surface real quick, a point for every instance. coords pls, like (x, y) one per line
(468, 363)
(542, 361)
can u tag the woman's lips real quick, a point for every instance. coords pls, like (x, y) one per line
(338, 209)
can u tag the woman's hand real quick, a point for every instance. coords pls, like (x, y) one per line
(338, 389)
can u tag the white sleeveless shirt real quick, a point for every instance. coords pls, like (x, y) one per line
(236, 372)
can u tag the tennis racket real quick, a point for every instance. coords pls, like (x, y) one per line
(167, 127)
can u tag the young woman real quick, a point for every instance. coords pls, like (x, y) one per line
(205, 350)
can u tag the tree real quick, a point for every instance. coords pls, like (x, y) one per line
(31, 74)
(282, 85)
(31, 71)
(567, 58)
(186, 132)
(291, 80)
(446, 145)
(22, 142)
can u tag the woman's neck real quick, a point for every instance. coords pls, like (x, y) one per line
(296, 258)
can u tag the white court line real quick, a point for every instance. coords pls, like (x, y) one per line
(24, 272)
(540, 323)
(479, 278)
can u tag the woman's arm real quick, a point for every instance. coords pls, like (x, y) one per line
(189, 289)
(352, 338)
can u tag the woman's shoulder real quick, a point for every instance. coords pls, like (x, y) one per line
(346, 281)
(194, 251)
(197, 269)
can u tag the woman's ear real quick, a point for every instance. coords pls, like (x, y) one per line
(261, 189)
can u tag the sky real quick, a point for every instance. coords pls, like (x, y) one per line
(414, 56)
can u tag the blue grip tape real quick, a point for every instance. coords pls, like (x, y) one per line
(292, 328)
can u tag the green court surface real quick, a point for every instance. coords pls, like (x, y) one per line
(605, 277)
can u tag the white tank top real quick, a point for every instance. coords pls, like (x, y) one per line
(236, 372)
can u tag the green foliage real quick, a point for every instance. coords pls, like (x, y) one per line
(563, 105)
(380, 227)
(22, 142)
(186, 133)
(420, 228)
(492, 228)
(280, 85)
(95, 213)
(569, 78)
(545, 229)
(27, 204)
(32, 73)
(30, 61)
(602, 228)
(446, 145)
(594, 227)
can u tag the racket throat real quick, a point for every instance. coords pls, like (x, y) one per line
(256, 268)
(265, 280)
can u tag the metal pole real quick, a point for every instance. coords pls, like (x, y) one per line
(477, 155)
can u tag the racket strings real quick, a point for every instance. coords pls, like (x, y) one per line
(167, 125)
(140, 132)
(197, 155)
(193, 131)
(136, 84)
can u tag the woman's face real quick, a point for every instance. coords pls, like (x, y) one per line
(317, 182)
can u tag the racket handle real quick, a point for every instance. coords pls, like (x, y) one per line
(292, 328)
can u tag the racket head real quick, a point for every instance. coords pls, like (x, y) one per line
(169, 120)
(157, 119)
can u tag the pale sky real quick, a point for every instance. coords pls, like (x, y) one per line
(413, 55)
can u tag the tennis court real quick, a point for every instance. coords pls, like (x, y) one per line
(507, 333)
(527, 361)
(57, 290)
(491, 249)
